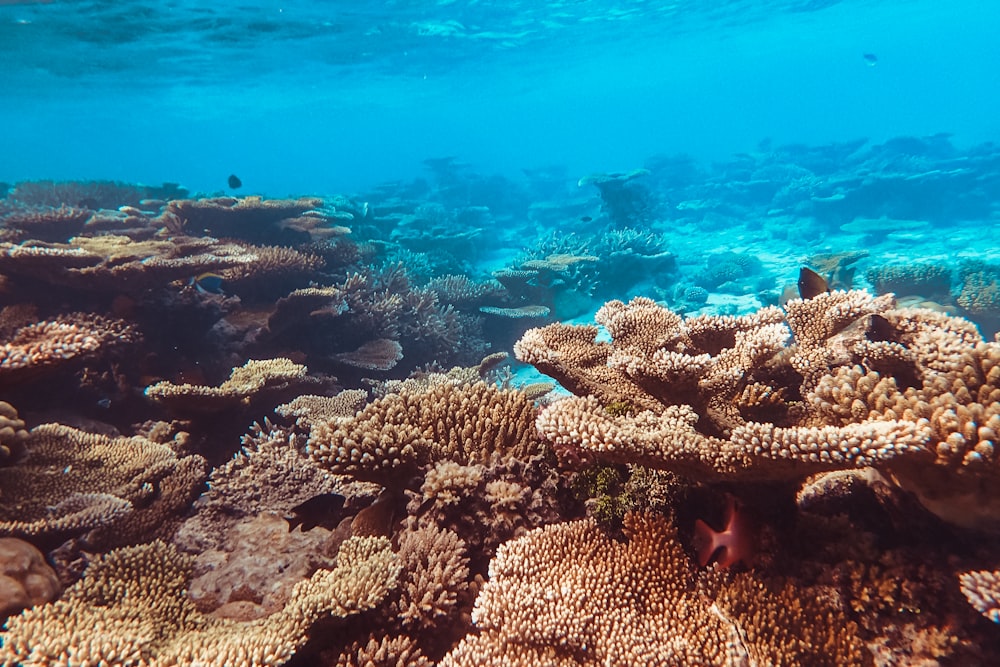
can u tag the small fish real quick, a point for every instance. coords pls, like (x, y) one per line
(811, 284)
(870, 59)
(207, 283)
(322, 510)
(879, 329)
(104, 403)
(234, 182)
(586, 218)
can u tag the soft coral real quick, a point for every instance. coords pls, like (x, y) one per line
(735, 543)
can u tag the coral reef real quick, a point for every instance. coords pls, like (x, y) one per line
(570, 595)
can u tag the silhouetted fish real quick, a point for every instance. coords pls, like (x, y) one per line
(235, 182)
(586, 218)
(811, 283)
(870, 58)
(322, 510)
(879, 329)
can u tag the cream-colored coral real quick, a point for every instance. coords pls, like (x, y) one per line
(435, 572)
(468, 424)
(131, 607)
(982, 589)
(244, 383)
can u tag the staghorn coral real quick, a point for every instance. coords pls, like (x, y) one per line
(73, 481)
(435, 571)
(131, 607)
(311, 408)
(910, 391)
(26, 579)
(567, 594)
(384, 651)
(245, 384)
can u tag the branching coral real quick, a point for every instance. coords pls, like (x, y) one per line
(131, 607)
(568, 594)
(42, 346)
(913, 392)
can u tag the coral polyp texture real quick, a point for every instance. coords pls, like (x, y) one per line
(852, 380)
(570, 595)
(131, 607)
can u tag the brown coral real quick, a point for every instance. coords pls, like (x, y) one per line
(131, 607)
(570, 595)
(72, 481)
(244, 384)
(26, 579)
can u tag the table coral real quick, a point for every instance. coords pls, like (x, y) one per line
(913, 392)
(42, 346)
(244, 384)
(72, 481)
(132, 607)
(568, 594)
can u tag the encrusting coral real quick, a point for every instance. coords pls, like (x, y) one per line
(910, 391)
(132, 607)
(568, 594)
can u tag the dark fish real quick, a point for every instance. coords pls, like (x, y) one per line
(870, 58)
(322, 510)
(586, 218)
(811, 284)
(235, 182)
(879, 329)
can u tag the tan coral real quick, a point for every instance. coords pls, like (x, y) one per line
(391, 436)
(911, 391)
(244, 384)
(435, 572)
(12, 434)
(568, 594)
(26, 579)
(131, 607)
(73, 481)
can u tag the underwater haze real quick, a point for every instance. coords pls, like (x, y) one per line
(317, 97)
(472, 333)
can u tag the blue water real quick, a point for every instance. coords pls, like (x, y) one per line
(322, 97)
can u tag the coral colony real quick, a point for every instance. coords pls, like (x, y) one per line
(509, 423)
